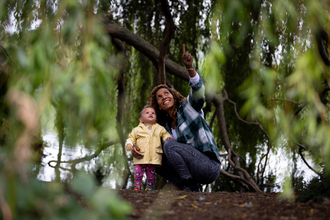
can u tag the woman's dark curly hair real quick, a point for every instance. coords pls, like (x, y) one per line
(162, 116)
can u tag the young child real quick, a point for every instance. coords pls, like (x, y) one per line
(147, 137)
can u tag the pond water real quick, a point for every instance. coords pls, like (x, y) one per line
(280, 165)
(47, 173)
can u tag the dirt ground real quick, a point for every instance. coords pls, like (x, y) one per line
(173, 204)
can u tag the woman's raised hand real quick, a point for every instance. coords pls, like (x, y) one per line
(187, 59)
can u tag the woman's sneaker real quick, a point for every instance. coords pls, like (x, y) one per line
(150, 188)
(136, 188)
(190, 188)
(190, 185)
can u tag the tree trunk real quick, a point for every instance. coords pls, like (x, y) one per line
(120, 103)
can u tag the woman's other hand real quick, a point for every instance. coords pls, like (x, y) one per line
(136, 152)
(170, 137)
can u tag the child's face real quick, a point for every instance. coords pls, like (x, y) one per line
(148, 116)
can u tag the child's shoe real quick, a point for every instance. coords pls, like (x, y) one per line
(150, 188)
(136, 188)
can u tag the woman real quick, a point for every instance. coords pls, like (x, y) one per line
(193, 157)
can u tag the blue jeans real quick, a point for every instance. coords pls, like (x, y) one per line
(181, 162)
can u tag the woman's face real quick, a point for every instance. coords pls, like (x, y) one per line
(165, 99)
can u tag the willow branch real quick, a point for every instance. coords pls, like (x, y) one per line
(225, 140)
(170, 28)
(86, 158)
(153, 37)
(324, 91)
(59, 167)
(286, 100)
(247, 176)
(265, 164)
(235, 110)
(242, 158)
(4, 65)
(322, 36)
(321, 94)
(212, 119)
(223, 130)
(235, 177)
(252, 123)
(301, 148)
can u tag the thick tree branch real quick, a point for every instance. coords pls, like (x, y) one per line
(121, 33)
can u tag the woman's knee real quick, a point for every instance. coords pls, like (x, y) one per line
(214, 174)
(169, 144)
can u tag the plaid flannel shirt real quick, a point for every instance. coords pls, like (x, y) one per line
(190, 126)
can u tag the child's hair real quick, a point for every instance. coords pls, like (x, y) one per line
(146, 106)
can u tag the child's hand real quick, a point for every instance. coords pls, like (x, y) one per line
(136, 152)
(129, 147)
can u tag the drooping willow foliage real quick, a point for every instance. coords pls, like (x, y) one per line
(268, 59)
(274, 65)
(56, 60)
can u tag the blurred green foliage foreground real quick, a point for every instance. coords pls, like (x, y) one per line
(33, 199)
(266, 70)
(62, 64)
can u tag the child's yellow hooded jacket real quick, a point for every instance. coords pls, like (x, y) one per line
(149, 143)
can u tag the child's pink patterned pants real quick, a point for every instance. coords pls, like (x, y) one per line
(150, 171)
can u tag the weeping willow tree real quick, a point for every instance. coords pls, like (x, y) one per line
(93, 63)
(263, 96)
(247, 52)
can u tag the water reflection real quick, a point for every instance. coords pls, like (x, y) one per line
(47, 172)
(279, 165)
